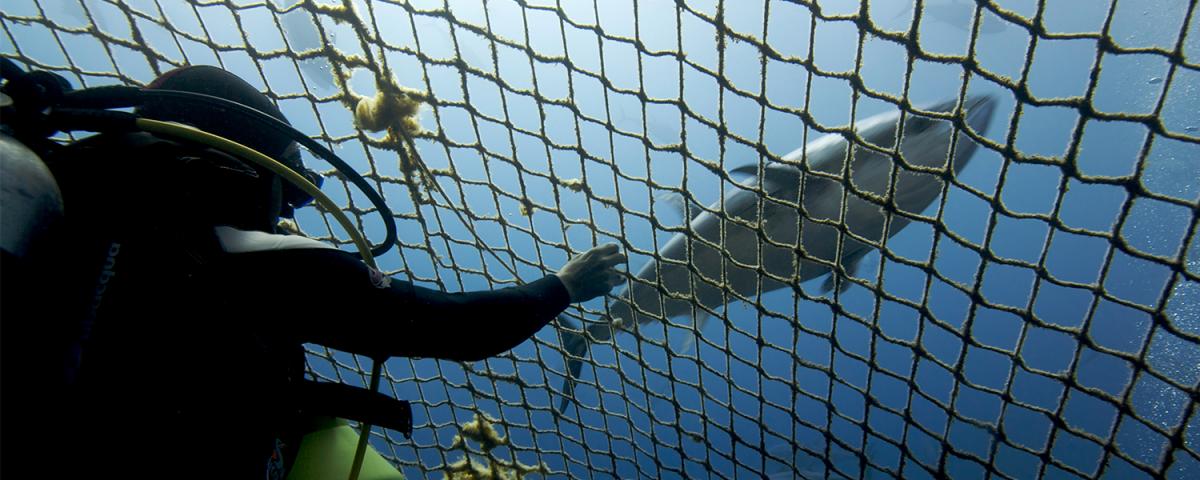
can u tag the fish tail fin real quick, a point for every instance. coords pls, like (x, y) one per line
(575, 346)
(568, 385)
(689, 339)
(575, 343)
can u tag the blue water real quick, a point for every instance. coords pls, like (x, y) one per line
(868, 387)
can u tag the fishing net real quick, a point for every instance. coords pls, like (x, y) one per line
(1041, 317)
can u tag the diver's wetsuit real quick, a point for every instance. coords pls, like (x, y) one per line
(190, 358)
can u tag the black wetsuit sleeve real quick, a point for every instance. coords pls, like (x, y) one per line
(331, 300)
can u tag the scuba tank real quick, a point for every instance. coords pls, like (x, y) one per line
(30, 202)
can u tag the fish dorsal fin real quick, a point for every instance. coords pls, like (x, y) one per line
(776, 176)
(780, 177)
(678, 204)
(749, 170)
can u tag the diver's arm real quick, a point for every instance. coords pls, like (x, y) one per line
(344, 305)
(329, 297)
(473, 326)
(476, 325)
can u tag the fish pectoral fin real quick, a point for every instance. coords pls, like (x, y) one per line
(830, 282)
(851, 266)
(689, 341)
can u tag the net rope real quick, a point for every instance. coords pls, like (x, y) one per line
(725, 409)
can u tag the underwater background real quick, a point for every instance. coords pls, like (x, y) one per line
(1044, 321)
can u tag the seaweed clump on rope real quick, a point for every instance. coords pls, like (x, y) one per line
(482, 431)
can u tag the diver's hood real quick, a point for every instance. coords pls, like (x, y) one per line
(213, 81)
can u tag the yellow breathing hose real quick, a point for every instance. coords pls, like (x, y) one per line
(185, 132)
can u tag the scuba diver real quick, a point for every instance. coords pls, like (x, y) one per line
(187, 359)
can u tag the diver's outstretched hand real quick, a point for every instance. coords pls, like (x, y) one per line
(591, 274)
